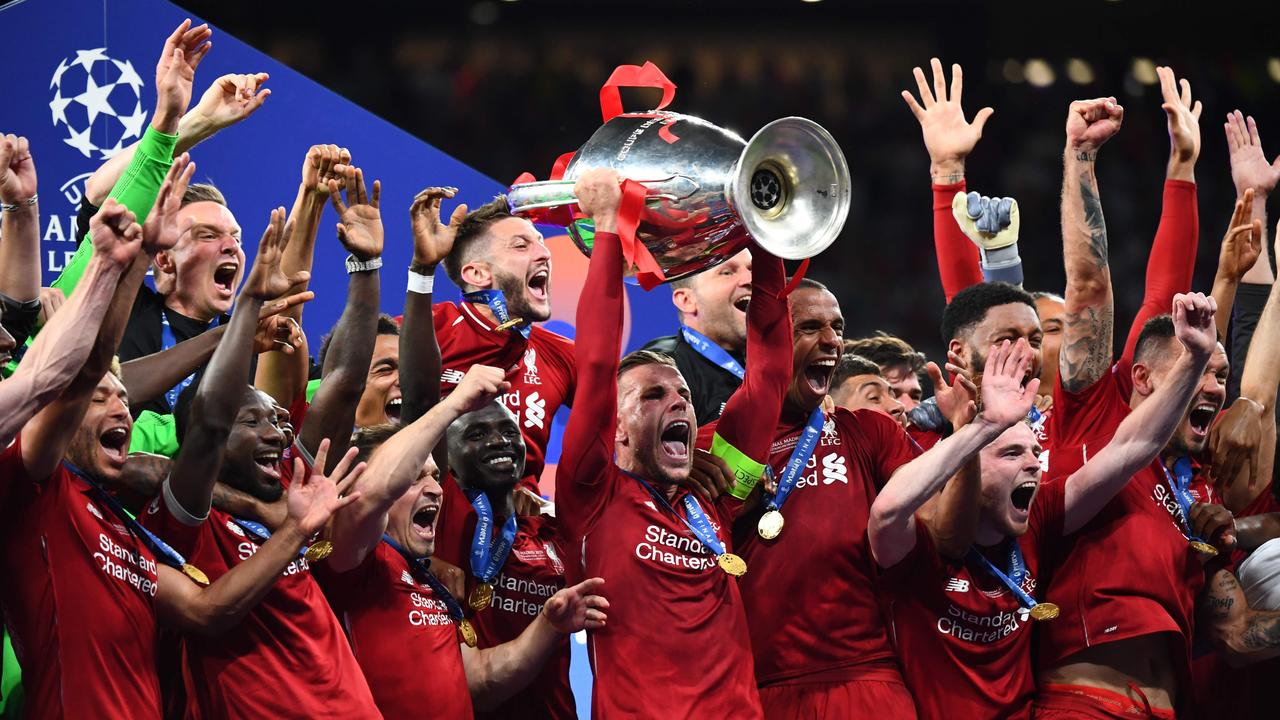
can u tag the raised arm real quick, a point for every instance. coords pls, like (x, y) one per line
(283, 375)
(1250, 170)
(312, 499)
(1090, 312)
(1005, 401)
(221, 391)
(952, 517)
(398, 463)
(19, 221)
(420, 363)
(1172, 261)
(1145, 432)
(495, 674)
(346, 367)
(1240, 250)
(588, 438)
(949, 138)
(741, 438)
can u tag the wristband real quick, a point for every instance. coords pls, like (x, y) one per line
(355, 266)
(15, 207)
(420, 283)
(746, 472)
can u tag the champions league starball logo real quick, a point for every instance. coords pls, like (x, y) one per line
(92, 90)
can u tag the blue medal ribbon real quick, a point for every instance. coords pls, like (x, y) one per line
(167, 340)
(497, 303)
(1017, 572)
(712, 352)
(261, 533)
(420, 567)
(799, 458)
(163, 552)
(1180, 486)
(488, 557)
(696, 520)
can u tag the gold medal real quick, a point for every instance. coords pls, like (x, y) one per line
(318, 551)
(481, 596)
(732, 564)
(509, 324)
(195, 573)
(1045, 611)
(1204, 548)
(467, 632)
(770, 525)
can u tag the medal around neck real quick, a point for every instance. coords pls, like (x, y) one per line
(481, 596)
(732, 564)
(513, 322)
(196, 574)
(318, 551)
(770, 525)
(1045, 611)
(1204, 548)
(467, 631)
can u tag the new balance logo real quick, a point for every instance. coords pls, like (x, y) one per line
(651, 505)
(451, 377)
(535, 412)
(956, 585)
(93, 510)
(405, 576)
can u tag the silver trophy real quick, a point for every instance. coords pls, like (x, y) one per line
(708, 189)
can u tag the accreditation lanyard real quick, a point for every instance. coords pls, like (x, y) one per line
(488, 557)
(163, 552)
(497, 303)
(261, 534)
(420, 567)
(1017, 572)
(167, 341)
(799, 458)
(712, 352)
(695, 517)
(1180, 483)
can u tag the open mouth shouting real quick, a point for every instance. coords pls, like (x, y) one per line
(539, 284)
(224, 278)
(817, 375)
(1022, 495)
(392, 409)
(742, 303)
(424, 521)
(1200, 418)
(675, 440)
(268, 462)
(115, 444)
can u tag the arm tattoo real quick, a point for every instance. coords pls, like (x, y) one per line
(1262, 631)
(1086, 354)
(1093, 218)
(1221, 600)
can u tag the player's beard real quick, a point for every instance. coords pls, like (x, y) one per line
(516, 294)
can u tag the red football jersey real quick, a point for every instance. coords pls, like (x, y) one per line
(533, 572)
(962, 637)
(287, 658)
(828, 625)
(78, 600)
(403, 636)
(1106, 592)
(541, 371)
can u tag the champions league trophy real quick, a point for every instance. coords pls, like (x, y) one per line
(699, 190)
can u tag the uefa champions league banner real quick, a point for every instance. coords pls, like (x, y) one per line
(81, 86)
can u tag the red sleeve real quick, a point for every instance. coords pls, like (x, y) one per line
(768, 370)
(1048, 513)
(959, 264)
(887, 442)
(587, 451)
(1170, 266)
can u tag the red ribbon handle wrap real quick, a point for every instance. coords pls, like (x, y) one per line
(648, 273)
(636, 76)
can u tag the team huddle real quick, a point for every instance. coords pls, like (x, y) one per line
(201, 521)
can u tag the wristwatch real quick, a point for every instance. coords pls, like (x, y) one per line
(354, 265)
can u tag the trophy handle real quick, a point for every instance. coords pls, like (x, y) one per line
(528, 197)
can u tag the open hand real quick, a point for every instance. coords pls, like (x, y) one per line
(17, 170)
(948, 137)
(360, 223)
(432, 239)
(266, 280)
(1193, 323)
(577, 608)
(317, 168)
(1005, 399)
(116, 234)
(1091, 123)
(314, 498)
(1184, 116)
(958, 402)
(1234, 441)
(230, 99)
(279, 332)
(1249, 166)
(183, 51)
(1242, 245)
(162, 229)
